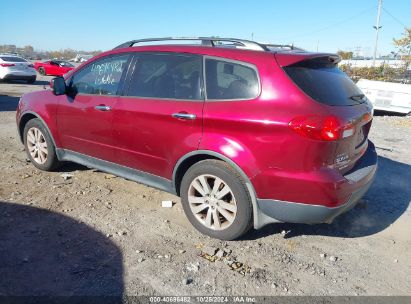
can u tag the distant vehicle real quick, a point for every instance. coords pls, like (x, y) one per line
(14, 67)
(81, 58)
(53, 67)
(387, 96)
(246, 133)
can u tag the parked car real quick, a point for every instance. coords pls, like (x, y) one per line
(246, 134)
(387, 96)
(53, 67)
(14, 67)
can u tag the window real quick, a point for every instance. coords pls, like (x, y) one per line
(171, 76)
(101, 77)
(324, 82)
(228, 80)
(12, 59)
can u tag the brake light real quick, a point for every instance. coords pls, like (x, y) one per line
(7, 64)
(327, 128)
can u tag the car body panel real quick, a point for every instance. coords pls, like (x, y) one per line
(141, 140)
(85, 129)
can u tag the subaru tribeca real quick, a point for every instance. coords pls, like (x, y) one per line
(246, 134)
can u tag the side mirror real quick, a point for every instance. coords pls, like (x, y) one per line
(58, 85)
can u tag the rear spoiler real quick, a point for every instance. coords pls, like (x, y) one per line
(288, 59)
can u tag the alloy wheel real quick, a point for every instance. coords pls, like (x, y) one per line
(37, 145)
(212, 202)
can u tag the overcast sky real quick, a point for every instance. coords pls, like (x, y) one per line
(329, 25)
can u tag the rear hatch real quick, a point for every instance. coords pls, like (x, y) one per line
(15, 63)
(349, 112)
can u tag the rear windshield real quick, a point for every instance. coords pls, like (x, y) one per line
(325, 83)
(12, 59)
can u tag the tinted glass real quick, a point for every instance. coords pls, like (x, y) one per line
(102, 77)
(227, 80)
(13, 59)
(171, 76)
(324, 83)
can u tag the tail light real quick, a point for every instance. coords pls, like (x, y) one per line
(328, 128)
(7, 64)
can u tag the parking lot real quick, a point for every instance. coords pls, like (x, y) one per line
(83, 232)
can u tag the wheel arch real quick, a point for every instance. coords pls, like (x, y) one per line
(25, 118)
(186, 161)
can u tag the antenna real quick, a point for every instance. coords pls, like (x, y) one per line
(377, 29)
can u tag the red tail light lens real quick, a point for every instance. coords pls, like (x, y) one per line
(7, 64)
(327, 128)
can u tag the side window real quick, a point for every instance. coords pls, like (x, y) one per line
(228, 80)
(101, 77)
(171, 76)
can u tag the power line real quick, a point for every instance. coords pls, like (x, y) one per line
(393, 17)
(336, 24)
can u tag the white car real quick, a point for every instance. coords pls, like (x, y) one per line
(13, 67)
(387, 96)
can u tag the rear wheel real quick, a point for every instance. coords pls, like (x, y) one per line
(39, 146)
(42, 71)
(215, 200)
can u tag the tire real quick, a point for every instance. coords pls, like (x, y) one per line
(42, 71)
(39, 146)
(31, 80)
(205, 211)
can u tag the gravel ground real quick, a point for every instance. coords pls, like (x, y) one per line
(83, 232)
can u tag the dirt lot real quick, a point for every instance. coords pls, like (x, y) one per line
(91, 233)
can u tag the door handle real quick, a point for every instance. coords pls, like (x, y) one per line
(103, 108)
(185, 116)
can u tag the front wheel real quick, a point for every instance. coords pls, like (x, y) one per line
(39, 146)
(215, 200)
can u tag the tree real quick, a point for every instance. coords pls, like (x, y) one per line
(345, 55)
(404, 45)
(28, 51)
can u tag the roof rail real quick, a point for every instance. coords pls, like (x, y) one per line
(283, 46)
(209, 41)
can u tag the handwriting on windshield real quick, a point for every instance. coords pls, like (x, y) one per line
(108, 72)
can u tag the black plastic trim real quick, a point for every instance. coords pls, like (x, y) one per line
(122, 171)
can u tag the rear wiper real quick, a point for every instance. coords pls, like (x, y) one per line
(358, 97)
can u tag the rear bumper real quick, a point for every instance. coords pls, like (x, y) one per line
(358, 180)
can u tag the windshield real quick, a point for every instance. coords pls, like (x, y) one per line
(325, 83)
(64, 64)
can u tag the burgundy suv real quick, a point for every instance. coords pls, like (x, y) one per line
(245, 133)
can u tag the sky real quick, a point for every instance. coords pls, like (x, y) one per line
(326, 25)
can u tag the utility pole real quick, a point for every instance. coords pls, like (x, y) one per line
(377, 29)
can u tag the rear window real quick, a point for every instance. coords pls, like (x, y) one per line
(325, 83)
(13, 59)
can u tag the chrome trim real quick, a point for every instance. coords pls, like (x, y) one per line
(186, 116)
(103, 108)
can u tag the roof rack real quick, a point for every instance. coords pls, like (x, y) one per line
(209, 41)
(283, 46)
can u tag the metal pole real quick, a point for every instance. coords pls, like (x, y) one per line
(377, 29)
